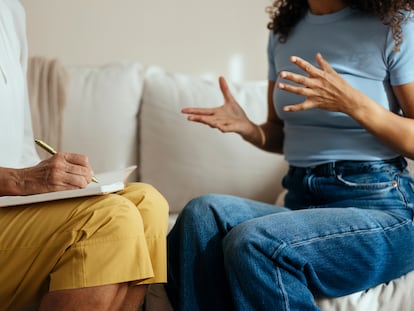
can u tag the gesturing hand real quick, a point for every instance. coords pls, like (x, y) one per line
(63, 171)
(323, 88)
(229, 117)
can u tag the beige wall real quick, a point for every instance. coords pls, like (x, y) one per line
(211, 37)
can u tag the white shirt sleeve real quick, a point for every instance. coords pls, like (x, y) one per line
(16, 135)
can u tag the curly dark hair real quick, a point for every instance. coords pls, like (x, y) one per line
(285, 14)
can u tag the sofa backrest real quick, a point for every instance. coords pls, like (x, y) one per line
(101, 114)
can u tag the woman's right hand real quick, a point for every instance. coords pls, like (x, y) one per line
(229, 117)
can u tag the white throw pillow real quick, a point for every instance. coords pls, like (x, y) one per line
(185, 159)
(101, 115)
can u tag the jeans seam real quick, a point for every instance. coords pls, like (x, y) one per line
(279, 275)
(282, 289)
(348, 233)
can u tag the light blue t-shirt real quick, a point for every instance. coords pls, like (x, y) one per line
(360, 49)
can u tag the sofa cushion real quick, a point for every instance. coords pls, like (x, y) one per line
(101, 116)
(395, 295)
(185, 159)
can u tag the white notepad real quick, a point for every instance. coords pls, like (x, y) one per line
(107, 182)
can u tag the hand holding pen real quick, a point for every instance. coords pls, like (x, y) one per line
(62, 171)
(52, 151)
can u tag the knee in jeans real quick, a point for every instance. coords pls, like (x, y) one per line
(238, 245)
(201, 207)
(205, 202)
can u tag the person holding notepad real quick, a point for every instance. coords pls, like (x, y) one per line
(88, 253)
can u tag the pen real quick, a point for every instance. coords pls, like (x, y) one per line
(53, 151)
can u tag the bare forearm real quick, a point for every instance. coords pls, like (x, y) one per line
(274, 137)
(393, 130)
(267, 136)
(10, 182)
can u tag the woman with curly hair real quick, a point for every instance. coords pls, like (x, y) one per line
(341, 110)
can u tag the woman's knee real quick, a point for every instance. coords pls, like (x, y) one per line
(197, 215)
(202, 206)
(239, 245)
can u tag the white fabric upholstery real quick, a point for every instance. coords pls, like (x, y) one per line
(393, 296)
(101, 117)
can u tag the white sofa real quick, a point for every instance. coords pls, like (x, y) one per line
(128, 113)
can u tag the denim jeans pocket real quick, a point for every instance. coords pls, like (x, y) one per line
(384, 190)
(370, 182)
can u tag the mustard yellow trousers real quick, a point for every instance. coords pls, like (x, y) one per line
(82, 242)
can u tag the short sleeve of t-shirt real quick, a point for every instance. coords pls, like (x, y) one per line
(400, 62)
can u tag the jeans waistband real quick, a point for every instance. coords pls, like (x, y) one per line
(351, 167)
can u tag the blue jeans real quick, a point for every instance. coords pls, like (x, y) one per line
(348, 226)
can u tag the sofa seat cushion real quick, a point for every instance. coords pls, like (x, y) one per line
(393, 296)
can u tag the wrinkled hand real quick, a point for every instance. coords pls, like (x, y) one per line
(323, 88)
(62, 171)
(229, 117)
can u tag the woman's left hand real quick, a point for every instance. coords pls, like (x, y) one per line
(323, 88)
